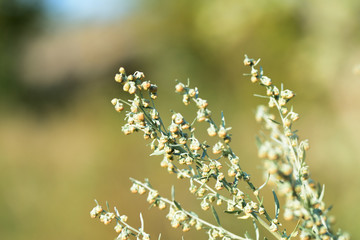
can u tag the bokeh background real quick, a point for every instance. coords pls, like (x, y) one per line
(61, 144)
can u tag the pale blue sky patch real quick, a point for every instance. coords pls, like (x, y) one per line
(82, 11)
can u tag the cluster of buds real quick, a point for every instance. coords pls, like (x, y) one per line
(216, 233)
(141, 117)
(189, 94)
(96, 211)
(284, 160)
(292, 179)
(105, 217)
(133, 82)
(122, 228)
(180, 218)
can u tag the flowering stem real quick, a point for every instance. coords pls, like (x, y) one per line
(230, 234)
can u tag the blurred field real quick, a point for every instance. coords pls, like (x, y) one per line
(61, 144)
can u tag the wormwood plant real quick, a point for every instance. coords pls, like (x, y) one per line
(214, 172)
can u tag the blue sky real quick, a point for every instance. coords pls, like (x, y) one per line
(87, 10)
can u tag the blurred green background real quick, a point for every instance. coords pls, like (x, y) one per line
(61, 144)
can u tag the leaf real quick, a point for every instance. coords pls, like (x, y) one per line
(157, 153)
(233, 212)
(322, 193)
(203, 154)
(277, 205)
(159, 236)
(152, 204)
(295, 232)
(267, 179)
(261, 201)
(194, 214)
(274, 121)
(173, 193)
(142, 223)
(247, 196)
(256, 230)
(258, 142)
(117, 212)
(147, 182)
(215, 215)
(257, 61)
(260, 96)
(222, 119)
(177, 205)
(107, 206)
(244, 217)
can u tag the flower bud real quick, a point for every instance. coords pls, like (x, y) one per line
(282, 102)
(273, 227)
(145, 85)
(186, 99)
(130, 77)
(179, 87)
(114, 101)
(118, 228)
(118, 78)
(139, 75)
(254, 79)
(126, 86)
(192, 92)
(153, 88)
(222, 132)
(122, 70)
(248, 61)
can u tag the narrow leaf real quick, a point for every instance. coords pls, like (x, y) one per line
(215, 215)
(258, 142)
(267, 179)
(322, 193)
(147, 182)
(107, 206)
(194, 214)
(256, 230)
(244, 217)
(277, 205)
(156, 153)
(152, 204)
(260, 96)
(295, 232)
(117, 212)
(233, 212)
(159, 236)
(203, 154)
(142, 223)
(222, 119)
(173, 193)
(261, 201)
(329, 208)
(177, 205)
(274, 121)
